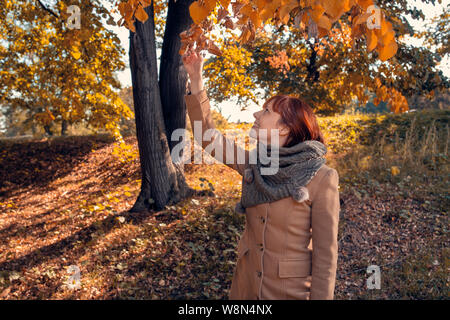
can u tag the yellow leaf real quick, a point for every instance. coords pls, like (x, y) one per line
(141, 15)
(245, 35)
(395, 170)
(76, 54)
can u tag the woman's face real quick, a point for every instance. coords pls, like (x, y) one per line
(267, 124)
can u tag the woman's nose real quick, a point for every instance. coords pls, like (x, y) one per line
(255, 114)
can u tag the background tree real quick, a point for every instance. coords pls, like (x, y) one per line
(331, 73)
(58, 76)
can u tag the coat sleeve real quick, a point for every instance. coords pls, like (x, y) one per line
(228, 152)
(324, 224)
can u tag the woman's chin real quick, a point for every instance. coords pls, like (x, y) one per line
(253, 133)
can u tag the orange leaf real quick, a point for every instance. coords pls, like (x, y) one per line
(210, 4)
(388, 51)
(246, 9)
(322, 32)
(324, 23)
(255, 18)
(266, 14)
(317, 12)
(141, 15)
(285, 10)
(372, 40)
(245, 35)
(198, 12)
(335, 8)
(365, 3)
(212, 48)
(225, 3)
(385, 26)
(146, 3)
(229, 23)
(389, 36)
(362, 18)
(260, 4)
(222, 13)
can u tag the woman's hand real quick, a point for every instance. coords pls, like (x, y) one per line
(193, 63)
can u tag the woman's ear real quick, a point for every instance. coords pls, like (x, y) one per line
(284, 130)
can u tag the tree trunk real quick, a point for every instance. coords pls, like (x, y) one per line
(173, 77)
(48, 130)
(160, 178)
(64, 127)
(313, 71)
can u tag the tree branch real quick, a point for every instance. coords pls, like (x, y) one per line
(47, 9)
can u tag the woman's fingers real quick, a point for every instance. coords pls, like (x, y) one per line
(192, 55)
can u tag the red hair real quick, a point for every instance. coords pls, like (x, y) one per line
(298, 116)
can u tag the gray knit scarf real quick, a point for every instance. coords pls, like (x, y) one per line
(297, 165)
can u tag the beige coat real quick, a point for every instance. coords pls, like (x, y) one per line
(288, 250)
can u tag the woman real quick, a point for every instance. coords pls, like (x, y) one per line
(289, 247)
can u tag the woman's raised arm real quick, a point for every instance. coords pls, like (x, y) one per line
(199, 111)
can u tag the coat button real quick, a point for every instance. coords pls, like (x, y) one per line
(259, 273)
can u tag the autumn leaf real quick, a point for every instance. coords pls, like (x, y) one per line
(365, 3)
(225, 3)
(76, 54)
(362, 18)
(286, 8)
(198, 12)
(372, 40)
(388, 51)
(324, 22)
(317, 12)
(395, 170)
(141, 15)
(212, 48)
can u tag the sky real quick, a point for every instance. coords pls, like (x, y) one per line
(230, 109)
